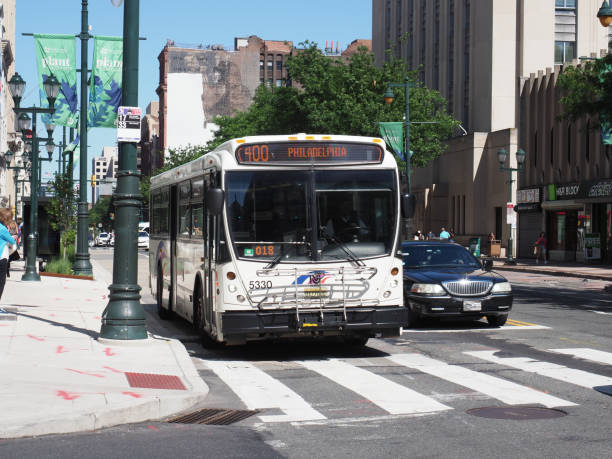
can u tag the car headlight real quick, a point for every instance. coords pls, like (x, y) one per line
(427, 289)
(502, 287)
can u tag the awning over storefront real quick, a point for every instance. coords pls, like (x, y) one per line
(565, 204)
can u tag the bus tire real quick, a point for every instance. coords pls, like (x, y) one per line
(199, 322)
(164, 314)
(356, 340)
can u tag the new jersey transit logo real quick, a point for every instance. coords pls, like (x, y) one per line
(313, 278)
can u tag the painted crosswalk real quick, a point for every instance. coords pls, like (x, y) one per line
(385, 383)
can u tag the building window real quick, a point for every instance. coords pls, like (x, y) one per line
(269, 83)
(423, 38)
(451, 56)
(436, 58)
(279, 65)
(270, 64)
(261, 81)
(279, 83)
(565, 51)
(261, 63)
(565, 4)
(466, 63)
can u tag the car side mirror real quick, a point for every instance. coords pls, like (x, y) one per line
(487, 264)
(408, 205)
(214, 201)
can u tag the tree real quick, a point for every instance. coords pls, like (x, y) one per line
(341, 97)
(180, 156)
(101, 213)
(588, 89)
(62, 209)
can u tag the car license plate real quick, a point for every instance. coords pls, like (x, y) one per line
(472, 306)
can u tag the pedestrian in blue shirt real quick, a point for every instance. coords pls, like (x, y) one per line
(6, 245)
(444, 234)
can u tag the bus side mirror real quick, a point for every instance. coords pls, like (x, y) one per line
(487, 264)
(214, 201)
(408, 205)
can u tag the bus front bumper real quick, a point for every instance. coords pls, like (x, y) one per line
(385, 321)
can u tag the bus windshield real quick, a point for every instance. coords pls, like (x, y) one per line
(271, 214)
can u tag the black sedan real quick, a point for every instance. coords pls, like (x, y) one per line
(443, 279)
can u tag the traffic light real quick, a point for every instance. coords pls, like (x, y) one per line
(93, 180)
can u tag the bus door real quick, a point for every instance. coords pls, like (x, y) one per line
(174, 222)
(209, 266)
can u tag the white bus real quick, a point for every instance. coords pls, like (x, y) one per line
(281, 236)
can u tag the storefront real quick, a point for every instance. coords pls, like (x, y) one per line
(578, 223)
(530, 222)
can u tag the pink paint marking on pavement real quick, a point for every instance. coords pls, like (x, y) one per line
(132, 394)
(153, 428)
(113, 369)
(108, 351)
(98, 317)
(87, 373)
(61, 350)
(37, 338)
(66, 395)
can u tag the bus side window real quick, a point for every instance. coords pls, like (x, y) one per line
(197, 207)
(184, 209)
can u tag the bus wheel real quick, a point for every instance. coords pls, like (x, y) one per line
(163, 313)
(199, 322)
(356, 340)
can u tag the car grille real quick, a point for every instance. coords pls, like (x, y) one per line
(465, 287)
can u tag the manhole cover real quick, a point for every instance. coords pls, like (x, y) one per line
(516, 412)
(214, 416)
(604, 389)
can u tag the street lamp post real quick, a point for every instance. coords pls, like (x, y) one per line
(605, 14)
(124, 316)
(520, 159)
(389, 96)
(51, 87)
(16, 168)
(82, 264)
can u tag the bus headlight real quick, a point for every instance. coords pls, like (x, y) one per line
(240, 298)
(394, 283)
(387, 294)
(232, 288)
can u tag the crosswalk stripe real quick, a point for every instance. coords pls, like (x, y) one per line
(551, 370)
(390, 396)
(501, 389)
(258, 390)
(587, 354)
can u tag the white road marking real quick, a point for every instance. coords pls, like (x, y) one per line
(587, 354)
(258, 390)
(501, 389)
(390, 396)
(602, 312)
(483, 329)
(550, 370)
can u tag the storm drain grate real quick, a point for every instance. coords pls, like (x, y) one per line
(153, 381)
(214, 416)
(518, 413)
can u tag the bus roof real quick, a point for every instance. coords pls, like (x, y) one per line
(224, 154)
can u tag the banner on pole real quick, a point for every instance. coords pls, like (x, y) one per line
(56, 54)
(105, 91)
(393, 134)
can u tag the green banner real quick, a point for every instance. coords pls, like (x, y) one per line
(393, 133)
(56, 54)
(105, 92)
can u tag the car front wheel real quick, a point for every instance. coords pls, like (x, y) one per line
(497, 321)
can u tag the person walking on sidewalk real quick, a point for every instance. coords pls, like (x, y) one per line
(6, 244)
(540, 248)
(14, 255)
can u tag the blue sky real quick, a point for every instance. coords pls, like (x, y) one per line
(185, 22)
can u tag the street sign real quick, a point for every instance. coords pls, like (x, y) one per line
(128, 124)
(510, 214)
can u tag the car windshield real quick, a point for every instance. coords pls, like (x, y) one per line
(271, 213)
(437, 256)
(143, 234)
(103, 235)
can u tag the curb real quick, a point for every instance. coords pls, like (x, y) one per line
(554, 273)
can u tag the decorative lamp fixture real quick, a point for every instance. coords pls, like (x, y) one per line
(23, 123)
(49, 127)
(16, 86)
(51, 87)
(501, 156)
(50, 146)
(605, 14)
(520, 157)
(28, 147)
(389, 96)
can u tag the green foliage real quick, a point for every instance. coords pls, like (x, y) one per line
(180, 156)
(70, 252)
(343, 97)
(63, 206)
(101, 213)
(588, 89)
(59, 266)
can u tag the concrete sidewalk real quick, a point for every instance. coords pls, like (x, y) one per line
(57, 377)
(564, 269)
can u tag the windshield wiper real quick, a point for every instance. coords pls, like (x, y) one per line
(350, 255)
(277, 259)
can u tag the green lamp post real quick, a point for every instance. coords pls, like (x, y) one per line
(502, 155)
(124, 317)
(51, 87)
(388, 97)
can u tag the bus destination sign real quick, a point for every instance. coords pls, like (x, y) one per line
(298, 153)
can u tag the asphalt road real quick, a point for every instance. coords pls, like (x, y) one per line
(404, 397)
